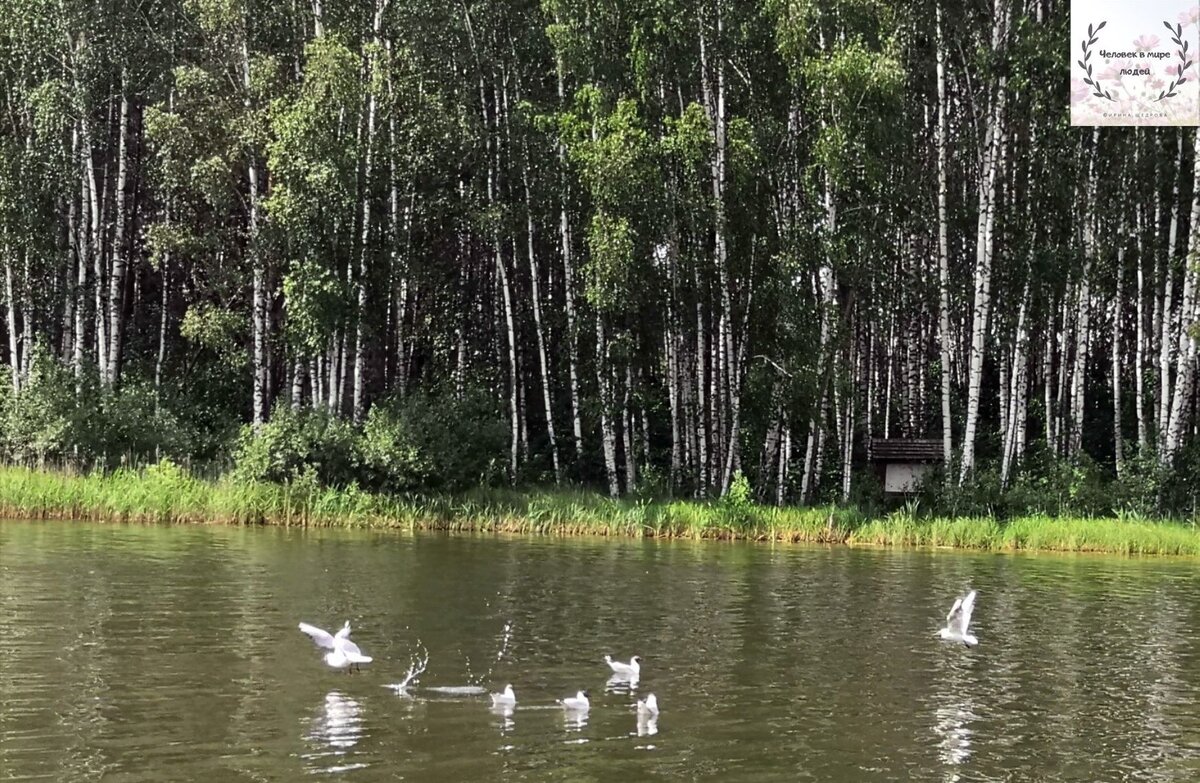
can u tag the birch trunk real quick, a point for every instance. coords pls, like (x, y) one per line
(1167, 341)
(607, 432)
(565, 246)
(1186, 351)
(1083, 317)
(1048, 381)
(1115, 311)
(358, 410)
(259, 274)
(992, 163)
(1139, 361)
(627, 425)
(1016, 415)
(83, 245)
(10, 299)
(702, 418)
(724, 383)
(116, 292)
(535, 283)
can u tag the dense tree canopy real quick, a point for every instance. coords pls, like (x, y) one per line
(667, 242)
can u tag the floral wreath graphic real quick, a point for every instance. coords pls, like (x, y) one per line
(1184, 62)
(1093, 36)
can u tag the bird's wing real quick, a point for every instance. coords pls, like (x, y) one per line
(347, 647)
(953, 609)
(968, 607)
(344, 633)
(321, 637)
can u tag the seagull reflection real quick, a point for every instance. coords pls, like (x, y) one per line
(336, 728)
(647, 725)
(619, 683)
(504, 712)
(575, 720)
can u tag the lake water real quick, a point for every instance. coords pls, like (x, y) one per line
(133, 653)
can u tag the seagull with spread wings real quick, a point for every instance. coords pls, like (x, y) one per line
(958, 620)
(343, 653)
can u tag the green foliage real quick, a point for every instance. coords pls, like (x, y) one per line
(42, 421)
(613, 150)
(610, 254)
(49, 421)
(217, 329)
(295, 442)
(435, 441)
(316, 300)
(738, 502)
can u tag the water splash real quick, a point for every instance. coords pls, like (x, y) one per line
(506, 635)
(417, 665)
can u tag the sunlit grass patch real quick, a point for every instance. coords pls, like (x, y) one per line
(165, 493)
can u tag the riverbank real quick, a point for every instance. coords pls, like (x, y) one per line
(165, 493)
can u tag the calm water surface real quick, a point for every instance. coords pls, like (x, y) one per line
(144, 654)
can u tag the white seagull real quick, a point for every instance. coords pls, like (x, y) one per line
(342, 652)
(630, 670)
(505, 699)
(648, 707)
(577, 703)
(958, 620)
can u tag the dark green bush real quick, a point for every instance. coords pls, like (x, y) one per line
(434, 441)
(295, 442)
(42, 421)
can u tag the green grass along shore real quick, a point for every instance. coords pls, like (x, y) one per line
(165, 493)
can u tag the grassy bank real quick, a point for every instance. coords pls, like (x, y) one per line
(165, 493)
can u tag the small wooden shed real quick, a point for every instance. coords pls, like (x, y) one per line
(901, 463)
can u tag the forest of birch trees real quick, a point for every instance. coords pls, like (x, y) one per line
(667, 242)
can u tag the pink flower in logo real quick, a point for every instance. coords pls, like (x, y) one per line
(1079, 90)
(1189, 16)
(1156, 83)
(1146, 43)
(1112, 71)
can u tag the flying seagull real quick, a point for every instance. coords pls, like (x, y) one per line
(958, 620)
(629, 670)
(505, 699)
(577, 703)
(343, 653)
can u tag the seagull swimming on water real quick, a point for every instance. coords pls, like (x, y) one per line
(343, 653)
(630, 670)
(577, 703)
(505, 699)
(958, 620)
(648, 707)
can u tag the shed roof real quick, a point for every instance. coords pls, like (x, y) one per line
(906, 449)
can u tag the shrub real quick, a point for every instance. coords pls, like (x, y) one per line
(129, 424)
(737, 504)
(434, 441)
(42, 421)
(293, 442)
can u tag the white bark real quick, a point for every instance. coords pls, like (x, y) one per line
(1083, 315)
(116, 294)
(544, 364)
(1167, 339)
(258, 315)
(358, 410)
(1186, 351)
(565, 247)
(1115, 314)
(1139, 363)
(992, 164)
